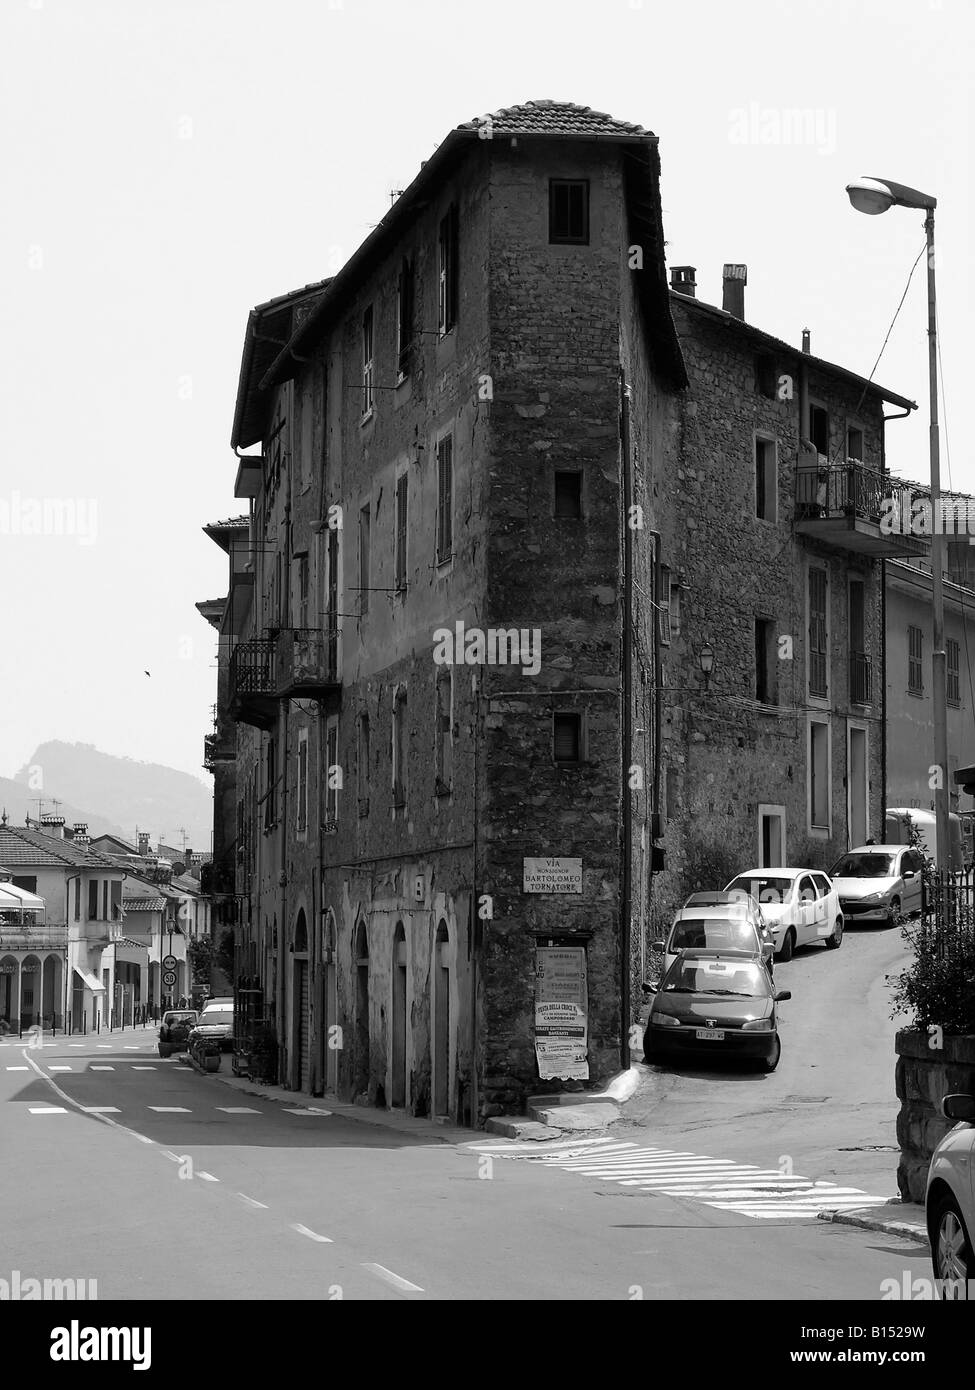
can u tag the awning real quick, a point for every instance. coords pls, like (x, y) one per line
(19, 899)
(90, 980)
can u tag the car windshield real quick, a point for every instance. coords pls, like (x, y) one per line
(771, 888)
(216, 1016)
(706, 933)
(864, 866)
(736, 977)
(189, 1017)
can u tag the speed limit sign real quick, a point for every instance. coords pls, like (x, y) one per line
(169, 977)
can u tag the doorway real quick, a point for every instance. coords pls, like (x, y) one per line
(858, 821)
(441, 1021)
(398, 1086)
(771, 837)
(362, 1058)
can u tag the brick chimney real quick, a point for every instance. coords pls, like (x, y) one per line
(82, 841)
(683, 279)
(734, 279)
(53, 825)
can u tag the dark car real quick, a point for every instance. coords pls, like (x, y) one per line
(174, 1030)
(716, 1003)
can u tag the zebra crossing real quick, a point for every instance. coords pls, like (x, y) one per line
(743, 1188)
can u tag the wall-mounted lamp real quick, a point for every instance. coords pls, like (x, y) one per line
(706, 661)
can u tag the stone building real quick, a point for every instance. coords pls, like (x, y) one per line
(504, 474)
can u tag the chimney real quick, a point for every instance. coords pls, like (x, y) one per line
(683, 279)
(805, 340)
(53, 825)
(735, 278)
(81, 827)
(82, 841)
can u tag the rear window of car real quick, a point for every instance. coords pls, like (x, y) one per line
(706, 933)
(770, 888)
(186, 1016)
(209, 1016)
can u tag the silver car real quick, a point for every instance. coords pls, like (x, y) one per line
(950, 1201)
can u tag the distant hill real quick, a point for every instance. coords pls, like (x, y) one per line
(114, 795)
(18, 800)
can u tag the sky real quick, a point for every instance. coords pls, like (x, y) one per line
(167, 164)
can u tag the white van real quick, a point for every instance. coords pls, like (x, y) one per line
(900, 819)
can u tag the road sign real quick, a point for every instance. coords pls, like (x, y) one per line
(169, 977)
(169, 962)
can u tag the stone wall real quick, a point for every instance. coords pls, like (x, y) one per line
(924, 1075)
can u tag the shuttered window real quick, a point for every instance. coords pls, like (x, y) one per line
(915, 669)
(401, 519)
(445, 499)
(404, 317)
(954, 672)
(817, 632)
(447, 246)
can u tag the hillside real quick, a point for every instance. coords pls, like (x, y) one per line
(115, 795)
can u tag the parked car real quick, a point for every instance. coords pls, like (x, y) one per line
(174, 1030)
(878, 883)
(800, 905)
(718, 1004)
(716, 922)
(949, 1202)
(215, 1021)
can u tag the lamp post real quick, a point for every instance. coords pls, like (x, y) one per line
(873, 196)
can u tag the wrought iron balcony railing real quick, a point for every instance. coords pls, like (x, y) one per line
(306, 661)
(854, 506)
(252, 667)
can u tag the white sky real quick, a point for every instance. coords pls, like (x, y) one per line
(166, 164)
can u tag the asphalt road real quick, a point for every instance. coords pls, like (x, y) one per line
(161, 1183)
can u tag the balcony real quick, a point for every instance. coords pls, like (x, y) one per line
(306, 663)
(251, 687)
(855, 508)
(15, 937)
(221, 745)
(860, 679)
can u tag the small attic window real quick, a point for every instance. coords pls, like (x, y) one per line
(765, 374)
(568, 212)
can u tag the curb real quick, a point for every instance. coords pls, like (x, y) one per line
(905, 1229)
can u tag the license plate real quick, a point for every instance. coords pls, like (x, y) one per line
(710, 1034)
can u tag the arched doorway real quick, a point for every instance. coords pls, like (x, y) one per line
(8, 989)
(398, 1086)
(440, 973)
(30, 991)
(302, 1014)
(52, 991)
(331, 1032)
(362, 1060)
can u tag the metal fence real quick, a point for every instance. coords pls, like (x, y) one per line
(948, 913)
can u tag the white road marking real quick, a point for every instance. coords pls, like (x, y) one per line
(395, 1279)
(306, 1112)
(94, 1068)
(133, 1047)
(743, 1188)
(101, 1110)
(138, 1068)
(312, 1235)
(46, 1110)
(170, 1109)
(237, 1110)
(252, 1202)
(107, 1046)
(18, 1069)
(207, 1177)
(76, 1044)
(59, 1068)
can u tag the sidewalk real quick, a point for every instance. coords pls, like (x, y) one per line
(893, 1218)
(435, 1131)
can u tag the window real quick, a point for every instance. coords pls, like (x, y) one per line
(399, 749)
(402, 483)
(301, 814)
(305, 445)
(447, 245)
(953, 652)
(915, 648)
(333, 772)
(567, 738)
(664, 605)
(105, 901)
(854, 443)
(367, 363)
(817, 633)
(765, 662)
(819, 428)
(302, 561)
(859, 661)
(819, 776)
(445, 499)
(362, 765)
(568, 212)
(116, 899)
(93, 899)
(333, 540)
(404, 318)
(568, 495)
(674, 608)
(671, 798)
(443, 750)
(364, 560)
(766, 480)
(270, 784)
(765, 377)
(77, 899)
(26, 881)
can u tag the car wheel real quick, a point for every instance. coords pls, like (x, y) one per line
(833, 942)
(788, 945)
(895, 912)
(768, 1064)
(164, 1049)
(951, 1249)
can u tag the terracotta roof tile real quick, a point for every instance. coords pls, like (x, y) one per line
(556, 118)
(20, 846)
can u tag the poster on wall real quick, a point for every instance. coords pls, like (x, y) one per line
(562, 1014)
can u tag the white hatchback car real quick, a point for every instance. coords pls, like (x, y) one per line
(949, 1203)
(800, 905)
(878, 883)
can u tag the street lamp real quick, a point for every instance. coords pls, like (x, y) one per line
(706, 661)
(873, 196)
